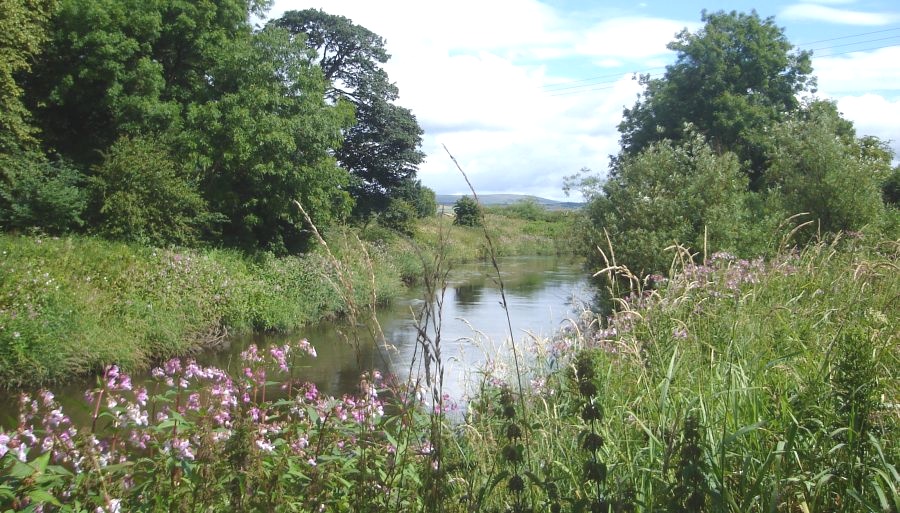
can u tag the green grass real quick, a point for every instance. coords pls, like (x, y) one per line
(733, 387)
(788, 369)
(71, 305)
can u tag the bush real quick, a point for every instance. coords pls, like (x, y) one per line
(890, 189)
(400, 216)
(528, 209)
(667, 194)
(422, 199)
(36, 193)
(142, 196)
(817, 168)
(468, 212)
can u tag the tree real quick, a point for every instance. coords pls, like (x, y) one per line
(239, 116)
(265, 141)
(423, 199)
(382, 149)
(467, 211)
(37, 193)
(23, 31)
(732, 79)
(141, 196)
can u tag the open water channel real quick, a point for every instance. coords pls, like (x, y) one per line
(542, 293)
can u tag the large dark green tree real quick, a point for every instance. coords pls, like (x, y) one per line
(128, 67)
(265, 141)
(239, 116)
(382, 149)
(733, 78)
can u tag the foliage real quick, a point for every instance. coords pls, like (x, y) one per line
(74, 304)
(80, 302)
(527, 208)
(381, 149)
(241, 113)
(467, 212)
(217, 441)
(400, 216)
(732, 79)
(35, 193)
(890, 188)
(422, 198)
(23, 31)
(264, 142)
(669, 194)
(703, 393)
(142, 197)
(819, 167)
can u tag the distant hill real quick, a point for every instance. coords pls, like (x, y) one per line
(499, 200)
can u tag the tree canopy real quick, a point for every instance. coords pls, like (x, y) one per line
(381, 150)
(732, 78)
(175, 121)
(724, 148)
(23, 31)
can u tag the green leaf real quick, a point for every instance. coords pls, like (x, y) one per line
(42, 496)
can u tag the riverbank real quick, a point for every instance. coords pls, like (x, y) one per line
(69, 306)
(732, 386)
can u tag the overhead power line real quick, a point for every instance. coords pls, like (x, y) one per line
(895, 29)
(608, 81)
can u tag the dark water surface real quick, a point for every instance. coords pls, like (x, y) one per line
(541, 292)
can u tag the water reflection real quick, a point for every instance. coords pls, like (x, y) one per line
(468, 294)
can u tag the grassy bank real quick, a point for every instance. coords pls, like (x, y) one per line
(731, 387)
(735, 386)
(71, 305)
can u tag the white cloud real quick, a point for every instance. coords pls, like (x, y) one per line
(813, 12)
(476, 75)
(878, 70)
(631, 38)
(873, 114)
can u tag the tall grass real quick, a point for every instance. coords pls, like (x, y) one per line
(730, 386)
(72, 305)
(737, 386)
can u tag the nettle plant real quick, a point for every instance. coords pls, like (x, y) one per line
(200, 438)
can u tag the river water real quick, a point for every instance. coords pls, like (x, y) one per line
(542, 293)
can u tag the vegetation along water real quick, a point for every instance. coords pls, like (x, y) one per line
(171, 175)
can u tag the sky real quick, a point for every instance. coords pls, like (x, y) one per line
(526, 92)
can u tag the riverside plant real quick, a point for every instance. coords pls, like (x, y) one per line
(198, 438)
(730, 386)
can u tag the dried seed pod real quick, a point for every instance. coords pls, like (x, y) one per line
(595, 471)
(516, 484)
(592, 441)
(591, 412)
(513, 431)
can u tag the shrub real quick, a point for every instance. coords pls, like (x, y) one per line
(400, 216)
(422, 199)
(36, 193)
(142, 196)
(667, 194)
(468, 212)
(817, 167)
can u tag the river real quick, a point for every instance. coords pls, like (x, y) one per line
(541, 293)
